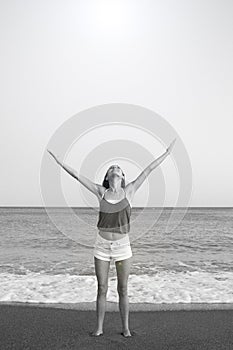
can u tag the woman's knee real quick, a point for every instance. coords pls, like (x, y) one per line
(102, 288)
(122, 290)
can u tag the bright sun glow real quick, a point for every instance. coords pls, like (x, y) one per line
(113, 18)
(110, 13)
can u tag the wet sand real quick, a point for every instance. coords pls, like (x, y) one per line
(165, 326)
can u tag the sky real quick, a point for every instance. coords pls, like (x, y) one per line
(59, 58)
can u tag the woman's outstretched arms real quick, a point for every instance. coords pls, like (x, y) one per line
(141, 178)
(91, 186)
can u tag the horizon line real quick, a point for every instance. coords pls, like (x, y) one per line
(78, 207)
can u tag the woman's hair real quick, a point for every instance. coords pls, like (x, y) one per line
(105, 182)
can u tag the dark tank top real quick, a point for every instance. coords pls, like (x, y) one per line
(114, 217)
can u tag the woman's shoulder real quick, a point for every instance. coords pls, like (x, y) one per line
(129, 192)
(101, 192)
(129, 189)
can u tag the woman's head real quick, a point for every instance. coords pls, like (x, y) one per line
(114, 170)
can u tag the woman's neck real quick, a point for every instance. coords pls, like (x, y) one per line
(114, 188)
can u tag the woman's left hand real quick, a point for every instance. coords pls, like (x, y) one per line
(171, 146)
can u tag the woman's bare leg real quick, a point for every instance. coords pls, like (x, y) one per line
(123, 269)
(101, 270)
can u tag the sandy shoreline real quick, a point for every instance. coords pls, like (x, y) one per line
(111, 306)
(32, 327)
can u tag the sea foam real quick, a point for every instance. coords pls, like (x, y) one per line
(162, 287)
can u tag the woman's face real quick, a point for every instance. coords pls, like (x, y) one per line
(115, 170)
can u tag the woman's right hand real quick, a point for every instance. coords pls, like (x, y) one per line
(53, 155)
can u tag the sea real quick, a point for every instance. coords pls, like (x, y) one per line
(44, 262)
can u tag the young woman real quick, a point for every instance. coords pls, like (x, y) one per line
(112, 241)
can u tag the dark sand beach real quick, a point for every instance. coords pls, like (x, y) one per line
(59, 327)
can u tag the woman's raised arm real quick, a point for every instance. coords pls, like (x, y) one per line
(91, 186)
(143, 175)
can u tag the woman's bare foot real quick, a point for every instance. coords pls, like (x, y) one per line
(96, 333)
(126, 333)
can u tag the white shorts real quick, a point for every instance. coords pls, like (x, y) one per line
(106, 250)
